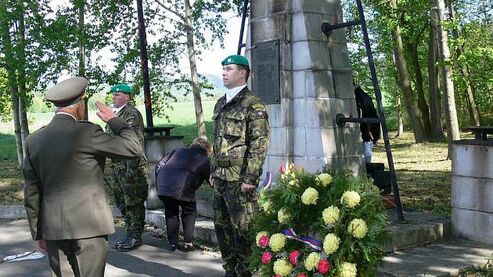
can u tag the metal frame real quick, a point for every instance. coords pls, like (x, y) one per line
(327, 30)
(242, 30)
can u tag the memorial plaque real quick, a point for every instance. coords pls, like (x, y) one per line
(265, 68)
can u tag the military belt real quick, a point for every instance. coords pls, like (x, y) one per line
(229, 162)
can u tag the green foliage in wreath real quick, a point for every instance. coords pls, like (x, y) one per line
(345, 214)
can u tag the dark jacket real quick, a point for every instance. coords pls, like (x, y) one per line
(180, 173)
(366, 109)
(64, 193)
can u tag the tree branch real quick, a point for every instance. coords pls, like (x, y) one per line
(170, 10)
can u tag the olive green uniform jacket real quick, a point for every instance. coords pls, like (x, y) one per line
(241, 138)
(64, 193)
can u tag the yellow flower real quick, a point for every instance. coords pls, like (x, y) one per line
(324, 179)
(347, 270)
(357, 227)
(266, 206)
(282, 267)
(331, 243)
(293, 183)
(312, 260)
(259, 235)
(350, 199)
(331, 215)
(277, 242)
(310, 196)
(282, 215)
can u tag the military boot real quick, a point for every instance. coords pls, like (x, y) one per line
(125, 239)
(132, 243)
(230, 274)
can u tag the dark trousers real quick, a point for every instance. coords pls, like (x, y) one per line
(78, 257)
(233, 213)
(188, 216)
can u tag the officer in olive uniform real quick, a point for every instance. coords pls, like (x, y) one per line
(64, 193)
(241, 136)
(128, 184)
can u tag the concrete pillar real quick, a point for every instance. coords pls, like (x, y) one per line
(315, 85)
(472, 190)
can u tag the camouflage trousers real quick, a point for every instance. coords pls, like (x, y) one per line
(233, 213)
(129, 191)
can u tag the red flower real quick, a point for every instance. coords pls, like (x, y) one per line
(301, 274)
(277, 275)
(293, 257)
(282, 169)
(266, 257)
(323, 266)
(263, 241)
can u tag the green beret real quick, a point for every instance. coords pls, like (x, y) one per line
(67, 92)
(236, 59)
(121, 88)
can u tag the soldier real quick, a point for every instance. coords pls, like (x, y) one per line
(64, 193)
(128, 184)
(241, 131)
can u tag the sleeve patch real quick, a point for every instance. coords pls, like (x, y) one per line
(258, 106)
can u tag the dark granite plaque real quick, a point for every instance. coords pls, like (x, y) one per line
(265, 68)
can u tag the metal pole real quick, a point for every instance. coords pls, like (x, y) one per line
(243, 18)
(144, 64)
(378, 94)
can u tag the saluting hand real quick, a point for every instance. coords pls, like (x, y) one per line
(105, 112)
(42, 245)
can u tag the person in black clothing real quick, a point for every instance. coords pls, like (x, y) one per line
(370, 132)
(178, 175)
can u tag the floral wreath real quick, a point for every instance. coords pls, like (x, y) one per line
(319, 225)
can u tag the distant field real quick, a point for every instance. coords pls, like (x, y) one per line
(182, 116)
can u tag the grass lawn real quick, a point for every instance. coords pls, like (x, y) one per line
(423, 172)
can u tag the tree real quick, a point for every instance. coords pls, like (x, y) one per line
(189, 22)
(433, 81)
(448, 86)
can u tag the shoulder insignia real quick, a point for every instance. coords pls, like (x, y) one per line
(257, 106)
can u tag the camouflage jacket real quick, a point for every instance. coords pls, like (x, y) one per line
(241, 137)
(133, 117)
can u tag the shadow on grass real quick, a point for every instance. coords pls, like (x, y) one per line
(425, 190)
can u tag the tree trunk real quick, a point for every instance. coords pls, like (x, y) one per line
(17, 124)
(199, 113)
(400, 122)
(21, 85)
(405, 85)
(404, 81)
(448, 86)
(144, 64)
(464, 70)
(11, 78)
(82, 48)
(422, 105)
(435, 99)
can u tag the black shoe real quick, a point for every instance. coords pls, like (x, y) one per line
(131, 244)
(172, 247)
(124, 241)
(187, 247)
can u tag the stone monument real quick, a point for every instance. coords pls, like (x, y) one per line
(305, 78)
(472, 189)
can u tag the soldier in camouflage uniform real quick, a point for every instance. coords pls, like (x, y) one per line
(128, 184)
(241, 136)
